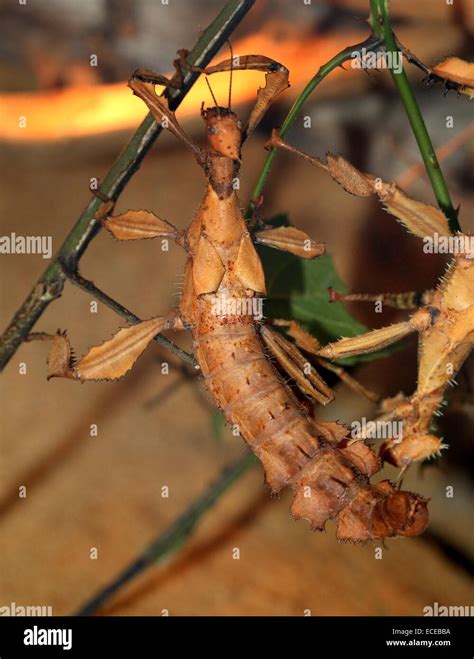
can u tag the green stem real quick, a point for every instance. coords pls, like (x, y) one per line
(372, 43)
(172, 539)
(380, 21)
(50, 285)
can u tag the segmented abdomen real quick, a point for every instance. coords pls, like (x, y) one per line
(330, 479)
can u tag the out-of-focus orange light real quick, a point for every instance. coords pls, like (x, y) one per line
(97, 109)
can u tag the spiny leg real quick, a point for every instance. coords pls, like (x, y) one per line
(406, 300)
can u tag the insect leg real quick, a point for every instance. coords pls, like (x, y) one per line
(290, 240)
(376, 339)
(112, 359)
(135, 225)
(138, 224)
(406, 300)
(144, 88)
(419, 218)
(276, 81)
(306, 342)
(297, 366)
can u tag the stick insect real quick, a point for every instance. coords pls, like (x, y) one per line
(444, 317)
(330, 478)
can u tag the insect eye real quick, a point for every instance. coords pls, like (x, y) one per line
(239, 125)
(212, 130)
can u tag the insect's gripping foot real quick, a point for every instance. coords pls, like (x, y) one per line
(112, 359)
(412, 448)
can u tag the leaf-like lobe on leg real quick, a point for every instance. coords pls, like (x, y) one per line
(413, 448)
(115, 357)
(458, 71)
(349, 177)
(134, 225)
(291, 240)
(419, 218)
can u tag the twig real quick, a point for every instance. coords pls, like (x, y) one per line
(381, 25)
(51, 282)
(173, 537)
(370, 44)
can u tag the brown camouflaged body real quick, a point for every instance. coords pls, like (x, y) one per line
(329, 479)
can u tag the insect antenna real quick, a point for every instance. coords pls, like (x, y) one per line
(229, 103)
(212, 93)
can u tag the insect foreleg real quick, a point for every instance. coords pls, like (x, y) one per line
(276, 81)
(419, 218)
(158, 106)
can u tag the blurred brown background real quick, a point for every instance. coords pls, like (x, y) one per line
(154, 429)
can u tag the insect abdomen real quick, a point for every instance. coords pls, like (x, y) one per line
(327, 478)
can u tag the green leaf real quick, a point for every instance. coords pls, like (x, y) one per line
(297, 289)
